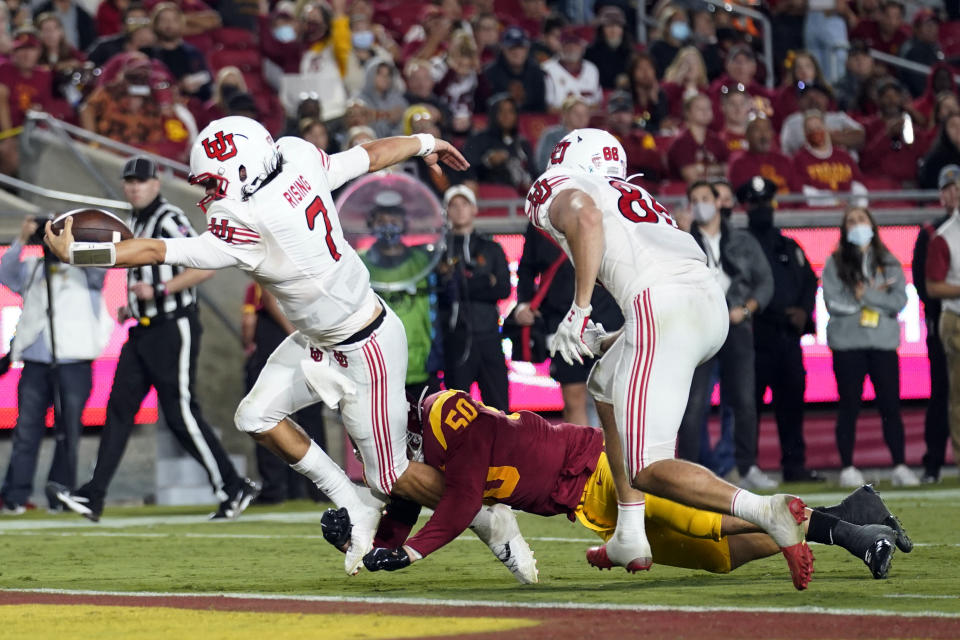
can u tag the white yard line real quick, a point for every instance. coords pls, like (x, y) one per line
(498, 604)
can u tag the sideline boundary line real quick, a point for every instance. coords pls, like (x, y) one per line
(427, 602)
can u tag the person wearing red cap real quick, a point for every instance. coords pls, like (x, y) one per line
(23, 85)
(568, 74)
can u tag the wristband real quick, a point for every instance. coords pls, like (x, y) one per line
(427, 143)
(93, 254)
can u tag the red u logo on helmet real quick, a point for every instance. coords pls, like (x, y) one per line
(220, 147)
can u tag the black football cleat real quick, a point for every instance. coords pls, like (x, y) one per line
(865, 506)
(874, 544)
(77, 501)
(237, 503)
(336, 527)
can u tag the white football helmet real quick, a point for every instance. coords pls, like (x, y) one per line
(592, 151)
(231, 157)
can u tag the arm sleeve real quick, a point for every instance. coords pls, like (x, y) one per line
(13, 272)
(528, 269)
(838, 298)
(919, 264)
(938, 259)
(762, 275)
(894, 297)
(340, 40)
(345, 166)
(466, 475)
(206, 251)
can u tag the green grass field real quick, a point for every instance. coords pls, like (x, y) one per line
(280, 551)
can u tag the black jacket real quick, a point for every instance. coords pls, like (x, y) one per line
(516, 172)
(942, 153)
(539, 252)
(498, 77)
(931, 306)
(794, 284)
(477, 280)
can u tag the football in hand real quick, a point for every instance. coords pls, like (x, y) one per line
(94, 225)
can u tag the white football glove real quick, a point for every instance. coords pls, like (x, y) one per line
(593, 336)
(568, 340)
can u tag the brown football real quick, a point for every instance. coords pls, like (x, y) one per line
(94, 225)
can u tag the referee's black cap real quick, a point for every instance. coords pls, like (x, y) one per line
(140, 168)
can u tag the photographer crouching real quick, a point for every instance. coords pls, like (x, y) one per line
(56, 366)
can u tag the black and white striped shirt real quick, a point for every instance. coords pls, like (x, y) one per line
(159, 219)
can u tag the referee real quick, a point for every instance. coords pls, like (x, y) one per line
(161, 351)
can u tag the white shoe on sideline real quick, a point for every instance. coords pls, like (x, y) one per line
(756, 479)
(507, 544)
(902, 476)
(851, 477)
(364, 520)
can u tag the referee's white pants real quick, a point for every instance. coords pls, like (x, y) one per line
(375, 415)
(669, 330)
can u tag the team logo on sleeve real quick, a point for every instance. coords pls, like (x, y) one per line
(220, 147)
(341, 358)
(316, 354)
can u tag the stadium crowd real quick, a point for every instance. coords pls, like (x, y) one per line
(505, 80)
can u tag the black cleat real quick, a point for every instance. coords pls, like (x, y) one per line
(232, 507)
(865, 506)
(77, 501)
(336, 527)
(874, 545)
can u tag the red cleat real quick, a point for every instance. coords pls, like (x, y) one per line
(800, 560)
(597, 557)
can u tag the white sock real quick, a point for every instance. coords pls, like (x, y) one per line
(630, 519)
(749, 506)
(328, 476)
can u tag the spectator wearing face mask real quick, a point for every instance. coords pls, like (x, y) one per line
(229, 82)
(864, 289)
(844, 130)
(742, 270)
(368, 41)
(312, 53)
(674, 33)
(821, 168)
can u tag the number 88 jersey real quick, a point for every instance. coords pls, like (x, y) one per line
(642, 243)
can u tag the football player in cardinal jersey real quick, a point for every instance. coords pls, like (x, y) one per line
(523, 461)
(271, 213)
(676, 317)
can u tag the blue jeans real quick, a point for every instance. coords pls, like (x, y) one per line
(826, 38)
(719, 459)
(34, 397)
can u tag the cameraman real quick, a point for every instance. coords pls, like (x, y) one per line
(82, 328)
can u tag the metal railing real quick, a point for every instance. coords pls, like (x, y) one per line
(73, 198)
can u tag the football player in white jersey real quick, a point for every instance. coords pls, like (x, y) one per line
(271, 213)
(617, 234)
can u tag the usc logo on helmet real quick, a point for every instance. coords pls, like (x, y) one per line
(220, 147)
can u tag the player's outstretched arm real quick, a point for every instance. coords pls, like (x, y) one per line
(127, 253)
(389, 151)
